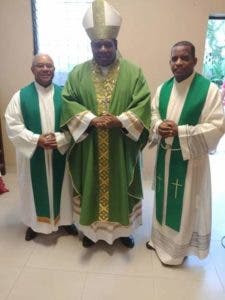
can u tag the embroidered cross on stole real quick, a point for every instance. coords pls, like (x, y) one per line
(190, 115)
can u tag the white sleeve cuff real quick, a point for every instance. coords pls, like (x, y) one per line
(183, 139)
(131, 123)
(79, 124)
(30, 147)
(63, 141)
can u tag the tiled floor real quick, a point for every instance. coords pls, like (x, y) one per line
(57, 267)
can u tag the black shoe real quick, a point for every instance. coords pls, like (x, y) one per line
(71, 229)
(127, 241)
(149, 246)
(86, 242)
(30, 234)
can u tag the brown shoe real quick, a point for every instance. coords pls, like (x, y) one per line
(30, 234)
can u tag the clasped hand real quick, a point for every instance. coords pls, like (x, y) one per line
(168, 128)
(47, 141)
(106, 121)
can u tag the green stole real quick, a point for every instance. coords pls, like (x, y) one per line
(190, 114)
(31, 114)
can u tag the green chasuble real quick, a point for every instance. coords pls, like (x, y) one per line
(105, 166)
(190, 115)
(31, 114)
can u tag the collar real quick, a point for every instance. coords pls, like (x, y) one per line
(43, 89)
(186, 81)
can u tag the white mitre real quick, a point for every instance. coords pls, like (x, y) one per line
(102, 21)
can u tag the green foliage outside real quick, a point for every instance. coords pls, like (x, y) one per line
(214, 60)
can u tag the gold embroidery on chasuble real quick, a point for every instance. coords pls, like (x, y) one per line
(78, 120)
(136, 124)
(104, 86)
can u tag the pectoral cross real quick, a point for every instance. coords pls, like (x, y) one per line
(177, 185)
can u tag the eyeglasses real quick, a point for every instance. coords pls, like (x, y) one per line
(42, 66)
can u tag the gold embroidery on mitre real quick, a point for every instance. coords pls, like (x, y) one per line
(101, 30)
(104, 86)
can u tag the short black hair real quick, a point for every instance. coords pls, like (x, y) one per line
(186, 43)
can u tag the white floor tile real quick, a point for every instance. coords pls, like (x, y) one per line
(109, 287)
(14, 250)
(45, 284)
(59, 252)
(119, 260)
(217, 254)
(177, 289)
(8, 276)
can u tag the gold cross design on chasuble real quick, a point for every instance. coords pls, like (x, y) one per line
(177, 185)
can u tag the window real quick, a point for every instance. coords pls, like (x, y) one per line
(58, 31)
(214, 60)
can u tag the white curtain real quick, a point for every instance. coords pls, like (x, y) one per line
(59, 32)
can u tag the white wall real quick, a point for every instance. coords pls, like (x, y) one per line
(149, 29)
